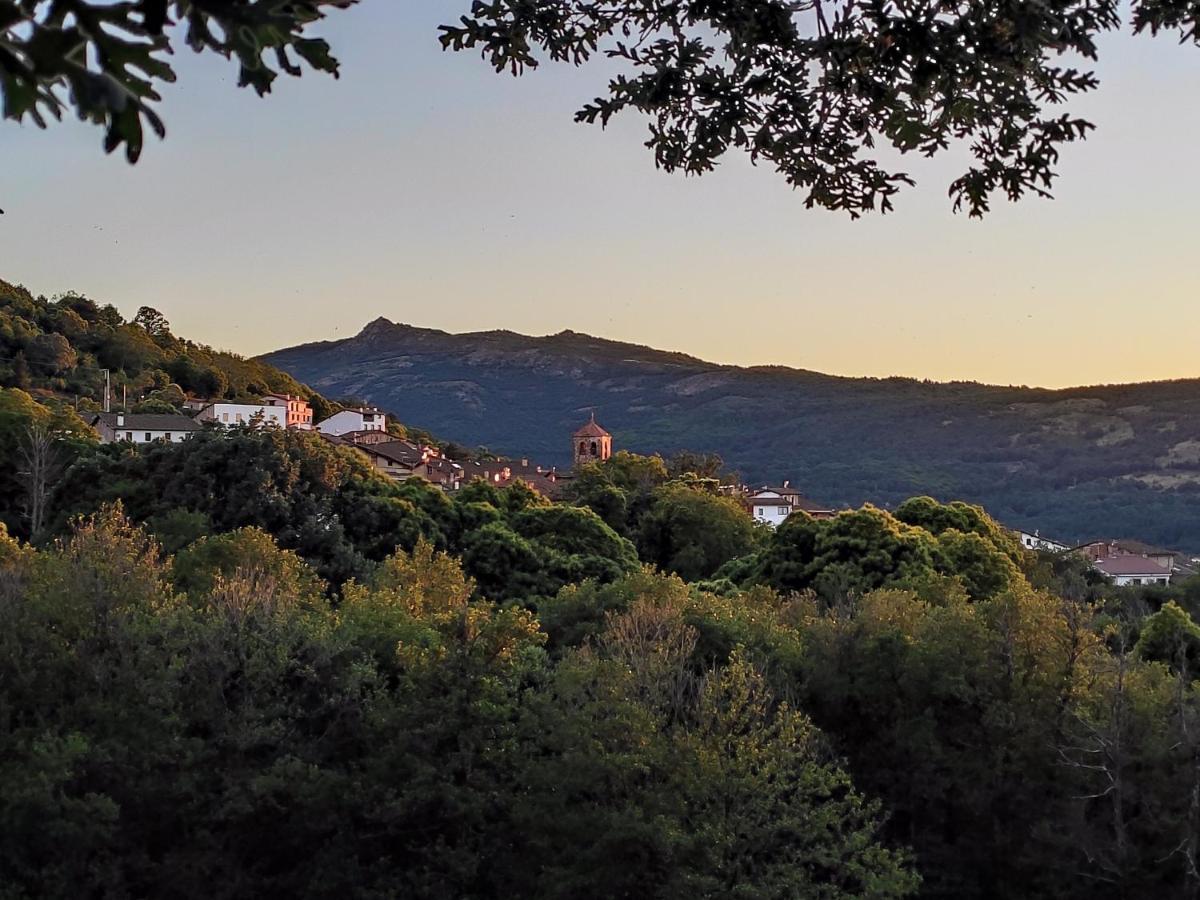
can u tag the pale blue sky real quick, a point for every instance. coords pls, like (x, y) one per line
(425, 188)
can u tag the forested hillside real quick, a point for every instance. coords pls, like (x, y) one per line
(56, 357)
(248, 664)
(63, 345)
(1076, 464)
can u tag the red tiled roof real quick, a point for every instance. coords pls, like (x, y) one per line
(591, 429)
(1131, 565)
(788, 497)
(547, 487)
(395, 451)
(146, 421)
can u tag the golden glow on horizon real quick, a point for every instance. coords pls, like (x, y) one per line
(435, 193)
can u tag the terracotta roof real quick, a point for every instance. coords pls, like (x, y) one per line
(547, 487)
(810, 505)
(1131, 565)
(148, 422)
(487, 470)
(770, 501)
(396, 451)
(591, 429)
(788, 497)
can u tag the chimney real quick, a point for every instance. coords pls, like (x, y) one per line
(787, 484)
(524, 462)
(120, 420)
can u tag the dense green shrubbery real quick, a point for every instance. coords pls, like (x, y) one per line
(250, 738)
(223, 723)
(326, 503)
(248, 664)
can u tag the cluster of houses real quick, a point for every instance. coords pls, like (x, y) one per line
(365, 429)
(1125, 562)
(401, 460)
(274, 410)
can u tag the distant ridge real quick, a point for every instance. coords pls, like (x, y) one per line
(1113, 460)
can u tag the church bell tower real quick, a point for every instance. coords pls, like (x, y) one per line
(591, 443)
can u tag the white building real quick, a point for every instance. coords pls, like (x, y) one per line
(348, 420)
(233, 414)
(1127, 569)
(142, 428)
(1035, 541)
(773, 505)
(299, 410)
(770, 507)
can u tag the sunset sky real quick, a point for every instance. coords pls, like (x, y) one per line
(425, 188)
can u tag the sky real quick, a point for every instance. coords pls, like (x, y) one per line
(423, 187)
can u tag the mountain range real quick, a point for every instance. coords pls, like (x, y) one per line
(1074, 464)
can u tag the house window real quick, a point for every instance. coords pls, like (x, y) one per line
(129, 436)
(167, 437)
(224, 417)
(782, 510)
(149, 437)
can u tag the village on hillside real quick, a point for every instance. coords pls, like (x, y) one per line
(1126, 562)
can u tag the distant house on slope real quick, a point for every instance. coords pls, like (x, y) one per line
(368, 437)
(141, 428)
(505, 472)
(298, 411)
(1173, 562)
(773, 505)
(1035, 541)
(232, 415)
(1126, 569)
(400, 460)
(366, 418)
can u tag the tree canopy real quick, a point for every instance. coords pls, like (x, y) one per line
(825, 91)
(106, 61)
(817, 88)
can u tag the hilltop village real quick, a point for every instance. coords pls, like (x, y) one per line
(1125, 562)
(366, 430)
(217, 609)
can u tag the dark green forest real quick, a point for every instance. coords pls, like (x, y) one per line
(1118, 461)
(247, 664)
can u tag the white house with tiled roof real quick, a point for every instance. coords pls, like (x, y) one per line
(773, 505)
(366, 418)
(141, 428)
(1126, 569)
(231, 415)
(1035, 541)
